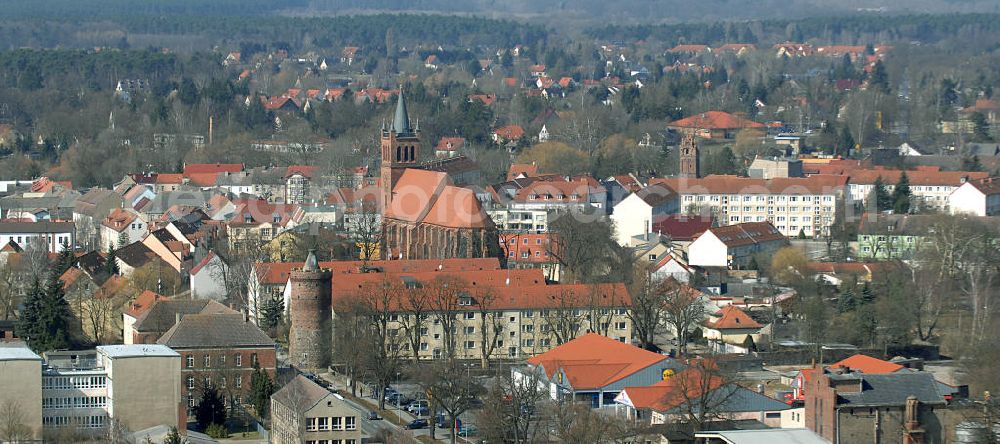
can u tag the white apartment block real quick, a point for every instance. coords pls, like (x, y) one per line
(520, 220)
(930, 189)
(792, 205)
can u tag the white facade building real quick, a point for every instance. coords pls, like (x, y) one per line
(53, 235)
(977, 198)
(634, 215)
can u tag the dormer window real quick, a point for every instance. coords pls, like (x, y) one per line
(247, 218)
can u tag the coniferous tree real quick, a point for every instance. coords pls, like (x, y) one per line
(65, 261)
(55, 315)
(271, 313)
(261, 389)
(846, 301)
(901, 195)
(211, 408)
(846, 143)
(882, 199)
(111, 263)
(28, 321)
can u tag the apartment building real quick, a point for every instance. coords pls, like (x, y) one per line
(304, 412)
(53, 235)
(979, 197)
(500, 313)
(795, 206)
(21, 386)
(930, 188)
(135, 385)
(519, 220)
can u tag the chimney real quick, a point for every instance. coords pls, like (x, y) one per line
(912, 434)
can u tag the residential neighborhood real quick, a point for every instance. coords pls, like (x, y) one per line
(482, 222)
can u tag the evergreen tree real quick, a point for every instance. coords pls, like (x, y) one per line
(879, 78)
(261, 389)
(271, 313)
(211, 408)
(65, 261)
(866, 323)
(867, 295)
(882, 199)
(187, 92)
(111, 262)
(980, 127)
(123, 239)
(28, 320)
(55, 315)
(846, 301)
(972, 164)
(846, 143)
(901, 195)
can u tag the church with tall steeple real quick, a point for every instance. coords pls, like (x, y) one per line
(425, 216)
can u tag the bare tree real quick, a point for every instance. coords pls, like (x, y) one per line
(450, 387)
(648, 309)
(445, 296)
(565, 317)
(11, 286)
(699, 393)
(491, 325)
(12, 427)
(350, 330)
(415, 305)
(379, 303)
(102, 312)
(683, 309)
(515, 410)
(35, 258)
(600, 304)
(579, 423)
(368, 233)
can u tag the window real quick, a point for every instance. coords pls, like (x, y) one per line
(469, 315)
(253, 359)
(222, 361)
(524, 255)
(620, 325)
(239, 381)
(528, 313)
(529, 342)
(349, 423)
(652, 257)
(470, 330)
(208, 361)
(423, 346)
(527, 328)
(190, 382)
(189, 361)
(470, 344)
(222, 382)
(323, 423)
(239, 360)
(312, 424)
(336, 423)
(423, 331)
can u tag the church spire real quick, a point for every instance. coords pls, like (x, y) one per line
(401, 122)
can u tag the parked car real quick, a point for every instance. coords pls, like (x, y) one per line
(373, 416)
(421, 411)
(397, 399)
(417, 424)
(468, 430)
(416, 405)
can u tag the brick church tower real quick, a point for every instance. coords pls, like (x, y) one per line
(400, 149)
(309, 311)
(689, 165)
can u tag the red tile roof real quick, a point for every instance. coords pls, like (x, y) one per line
(916, 177)
(428, 197)
(867, 364)
(276, 273)
(747, 233)
(450, 143)
(745, 185)
(988, 186)
(304, 170)
(119, 219)
(486, 99)
(731, 317)
(593, 361)
(197, 268)
(689, 48)
(142, 303)
(509, 132)
(682, 227)
(519, 169)
(715, 120)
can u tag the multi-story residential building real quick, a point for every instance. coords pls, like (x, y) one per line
(21, 386)
(892, 236)
(122, 227)
(560, 193)
(734, 246)
(508, 220)
(530, 250)
(979, 197)
(218, 350)
(256, 220)
(930, 188)
(304, 412)
(297, 181)
(137, 386)
(270, 279)
(53, 235)
(499, 313)
(795, 206)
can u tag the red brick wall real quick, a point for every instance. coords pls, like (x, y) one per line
(266, 359)
(820, 405)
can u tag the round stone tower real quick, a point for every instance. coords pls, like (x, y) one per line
(309, 312)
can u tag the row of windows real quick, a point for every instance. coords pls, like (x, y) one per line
(207, 360)
(86, 422)
(772, 210)
(757, 198)
(77, 402)
(332, 441)
(470, 315)
(223, 382)
(74, 382)
(192, 401)
(325, 424)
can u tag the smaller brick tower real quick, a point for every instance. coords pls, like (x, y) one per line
(690, 166)
(309, 311)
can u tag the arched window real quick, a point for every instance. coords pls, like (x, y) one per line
(399, 155)
(413, 153)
